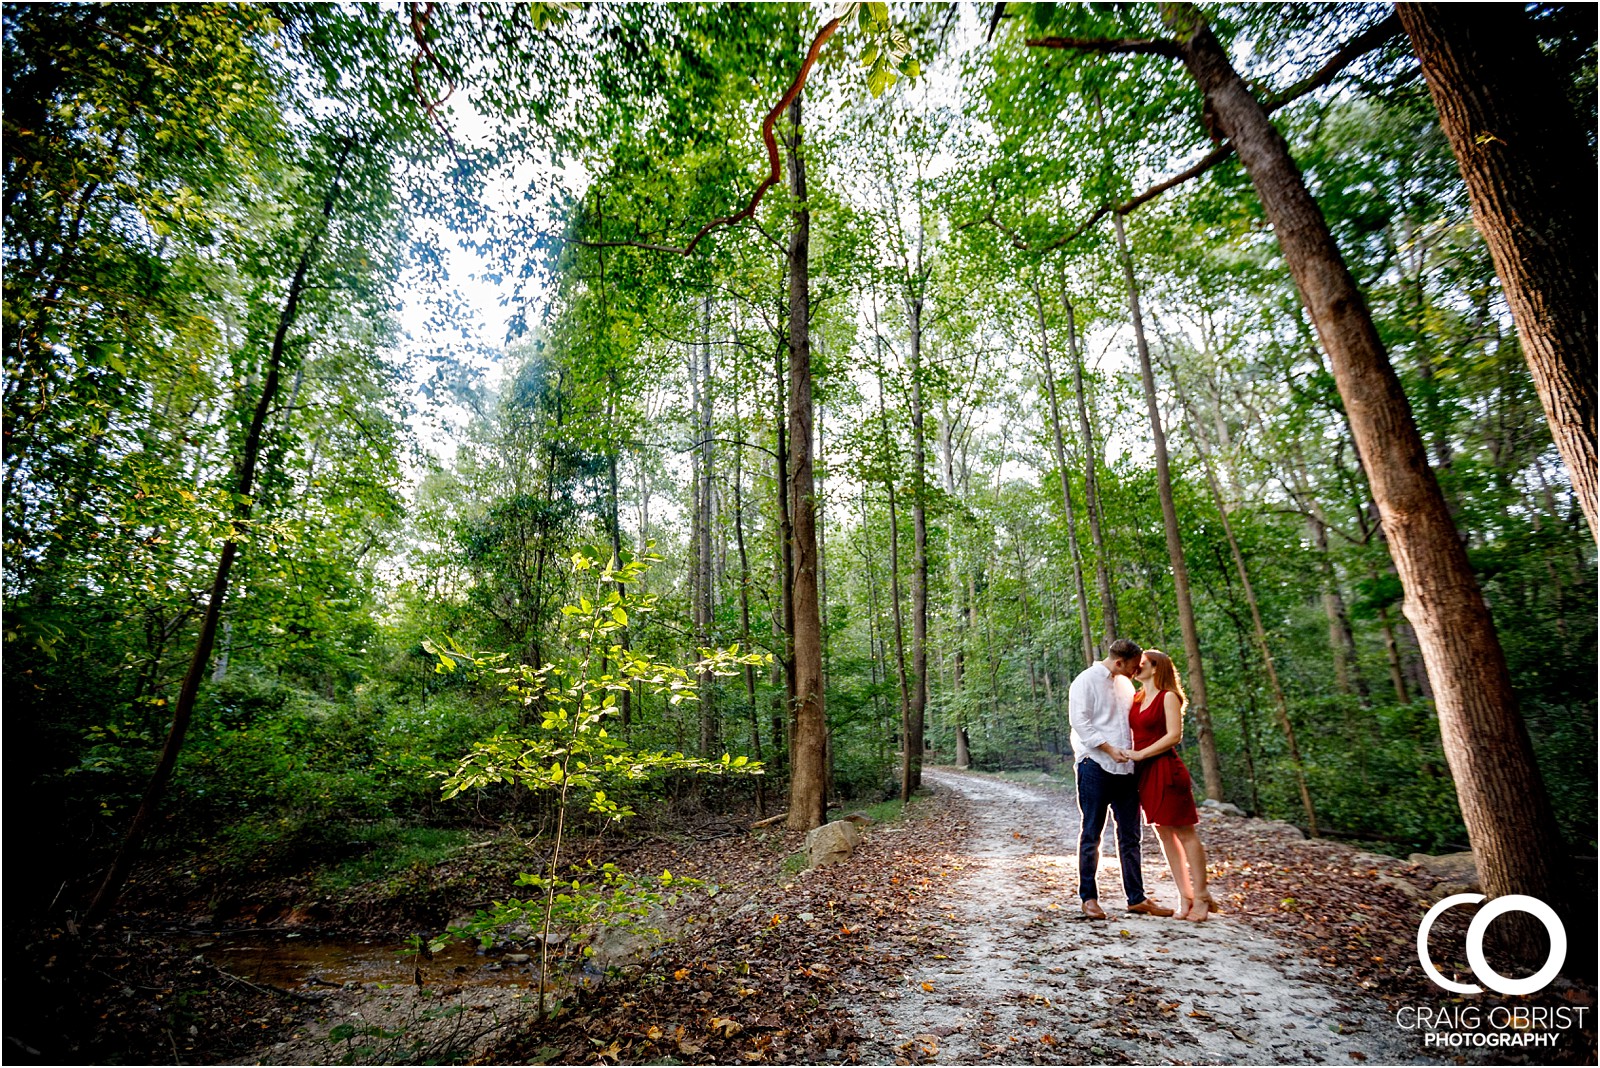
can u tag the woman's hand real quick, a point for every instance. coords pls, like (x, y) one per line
(1136, 754)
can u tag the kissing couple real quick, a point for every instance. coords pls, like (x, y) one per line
(1125, 748)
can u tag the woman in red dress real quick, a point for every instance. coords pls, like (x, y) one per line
(1166, 792)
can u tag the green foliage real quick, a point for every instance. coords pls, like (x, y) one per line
(165, 168)
(590, 898)
(573, 754)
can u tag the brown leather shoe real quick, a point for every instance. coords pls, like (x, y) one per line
(1093, 911)
(1149, 908)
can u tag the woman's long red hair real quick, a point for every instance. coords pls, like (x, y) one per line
(1166, 676)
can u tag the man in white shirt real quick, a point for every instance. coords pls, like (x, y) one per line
(1098, 705)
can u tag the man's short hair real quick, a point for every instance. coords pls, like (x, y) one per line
(1125, 649)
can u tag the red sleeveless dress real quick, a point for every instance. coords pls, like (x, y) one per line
(1166, 792)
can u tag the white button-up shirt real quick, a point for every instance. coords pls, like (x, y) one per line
(1098, 706)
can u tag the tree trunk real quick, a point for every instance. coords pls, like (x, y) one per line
(1210, 763)
(919, 564)
(808, 754)
(1341, 636)
(744, 604)
(709, 741)
(906, 782)
(1268, 664)
(1085, 629)
(874, 644)
(625, 698)
(1485, 739)
(244, 487)
(1530, 178)
(822, 588)
(783, 706)
(1091, 479)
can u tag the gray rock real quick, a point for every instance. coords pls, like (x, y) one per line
(1450, 867)
(1280, 828)
(831, 843)
(1222, 808)
(1411, 890)
(619, 944)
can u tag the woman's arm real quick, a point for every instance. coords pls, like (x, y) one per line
(1174, 713)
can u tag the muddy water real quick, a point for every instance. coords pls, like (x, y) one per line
(305, 962)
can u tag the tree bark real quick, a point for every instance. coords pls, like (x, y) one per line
(1268, 664)
(704, 583)
(919, 560)
(783, 710)
(1085, 629)
(744, 604)
(1530, 179)
(906, 781)
(244, 487)
(1341, 636)
(1485, 739)
(1210, 763)
(1091, 479)
(808, 754)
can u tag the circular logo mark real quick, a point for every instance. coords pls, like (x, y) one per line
(1475, 931)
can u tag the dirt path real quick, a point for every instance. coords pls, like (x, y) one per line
(1027, 979)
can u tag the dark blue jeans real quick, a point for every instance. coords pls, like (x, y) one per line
(1099, 790)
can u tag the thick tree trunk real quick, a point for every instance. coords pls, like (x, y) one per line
(1091, 478)
(1530, 178)
(1085, 629)
(1485, 739)
(1210, 763)
(808, 754)
(244, 488)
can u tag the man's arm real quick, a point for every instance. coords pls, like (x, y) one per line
(1080, 702)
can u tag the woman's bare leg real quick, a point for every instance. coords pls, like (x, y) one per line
(1177, 863)
(1188, 839)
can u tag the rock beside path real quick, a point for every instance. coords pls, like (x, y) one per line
(831, 843)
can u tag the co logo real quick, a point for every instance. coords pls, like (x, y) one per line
(1480, 923)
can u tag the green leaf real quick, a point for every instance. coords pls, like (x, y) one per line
(879, 79)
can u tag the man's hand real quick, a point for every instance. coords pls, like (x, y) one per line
(1116, 752)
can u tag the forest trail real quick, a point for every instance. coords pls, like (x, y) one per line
(1028, 978)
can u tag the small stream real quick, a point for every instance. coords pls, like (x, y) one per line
(303, 962)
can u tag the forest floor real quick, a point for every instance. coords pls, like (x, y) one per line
(952, 935)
